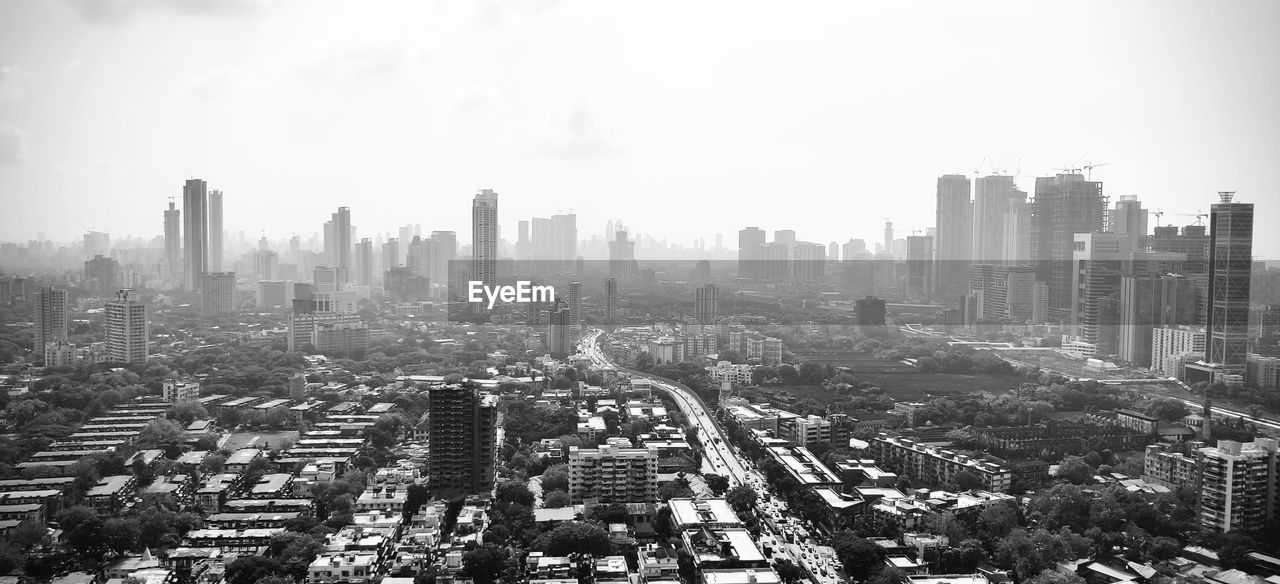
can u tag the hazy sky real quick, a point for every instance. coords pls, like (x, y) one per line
(683, 118)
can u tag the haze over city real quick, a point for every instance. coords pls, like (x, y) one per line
(826, 117)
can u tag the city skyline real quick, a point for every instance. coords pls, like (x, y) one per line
(591, 131)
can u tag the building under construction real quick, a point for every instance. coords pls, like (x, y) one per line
(1064, 205)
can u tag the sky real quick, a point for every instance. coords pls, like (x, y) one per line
(684, 119)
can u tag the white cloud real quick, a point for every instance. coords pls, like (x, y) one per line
(495, 13)
(75, 63)
(121, 11)
(582, 130)
(13, 82)
(211, 83)
(13, 144)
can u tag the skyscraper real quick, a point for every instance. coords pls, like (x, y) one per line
(442, 250)
(1129, 219)
(416, 257)
(50, 314)
(463, 436)
(991, 198)
(484, 237)
(564, 239)
(215, 231)
(127, 328)
(559, 339)
(1150, 301)
(195, 232)
(610, 300)
(1017, 230)
(1230, 274)
(749, 241)
(217, 292)
(1064, 205)
(364, 262)
(575, 309)
(338, 240)
(622, 257)
(920, 268)
(954, 241)
(172, 242)
(1238, 486)
(522, 240)
(1097, 265)
(705, 304)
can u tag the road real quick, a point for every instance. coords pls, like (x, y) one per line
(822, 568)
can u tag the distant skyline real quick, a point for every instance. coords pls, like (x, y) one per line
(683, 120)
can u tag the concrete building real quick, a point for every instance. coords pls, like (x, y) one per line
(215, 231)
(954, 240)
(275, 294)
(175, 391)
(50, 315)
(218, 293)
(1150, 302)
(172, 243)
(1263, 371)
(484, 237)
(1097, 265)
(1064, 205)
(749, 241)
(1171, 469)
(992, 198)
(1238, 485)
(195, 232)
(610, 300)
(610, 474)
(1169, 342)
(1230, 274)
(463, 438)
(935, 465)
(127, 329)
(705, 304)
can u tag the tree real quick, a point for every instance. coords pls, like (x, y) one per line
(556, 478)
(556, 500)
(1055, 577)
(717, 483)
(677, 489)
(967, 480)
(515, 492)
(787, 571)
(888, 575)
(1168, 409)
(250, 569)
(160, 432)
(742, 498)
(996, 521)
(860, 557)
(1075, 470)
(484, 564)
(574, 536)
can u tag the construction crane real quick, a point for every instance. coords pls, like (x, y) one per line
(1158, 213)
(1199, 215)
(1088, 168)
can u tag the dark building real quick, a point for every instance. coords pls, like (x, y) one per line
(749, 242)
(1064, 205)
(1230, 273)
(870, 311)
(401, 285)
(463, 434)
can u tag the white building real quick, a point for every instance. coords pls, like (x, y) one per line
(1169, 341)
(613, 475)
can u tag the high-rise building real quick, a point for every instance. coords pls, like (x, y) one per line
(1003, 292)
(888, 236)
(1017, 230)
(172, 243)
(954, 241)
(102, 274)
(337, 244)
(992, 196)
(1150, 301)
(1064, 205)
(749, 241)
(1192, 242)
(564, 239)
(1098, 263)
(575, 310)
(364, 262)
(1238, 486)
(1170, 343)
(417, 258)
(559, 339)
(622, 257)
(610, 474)
(775, 261)
(50, 314)
(610, 300)
(97, 243)
(215, 231)
(1230, 274)
(463, 436)
(275, 294)
(217, 292)
(523, 249)
(705, 304)
(127, 329)
(195, 232)
(808, 262)
(484, 237)
(390, 254)
(920, 261)
(178, 391)
(1129, 219)
(442, 250)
